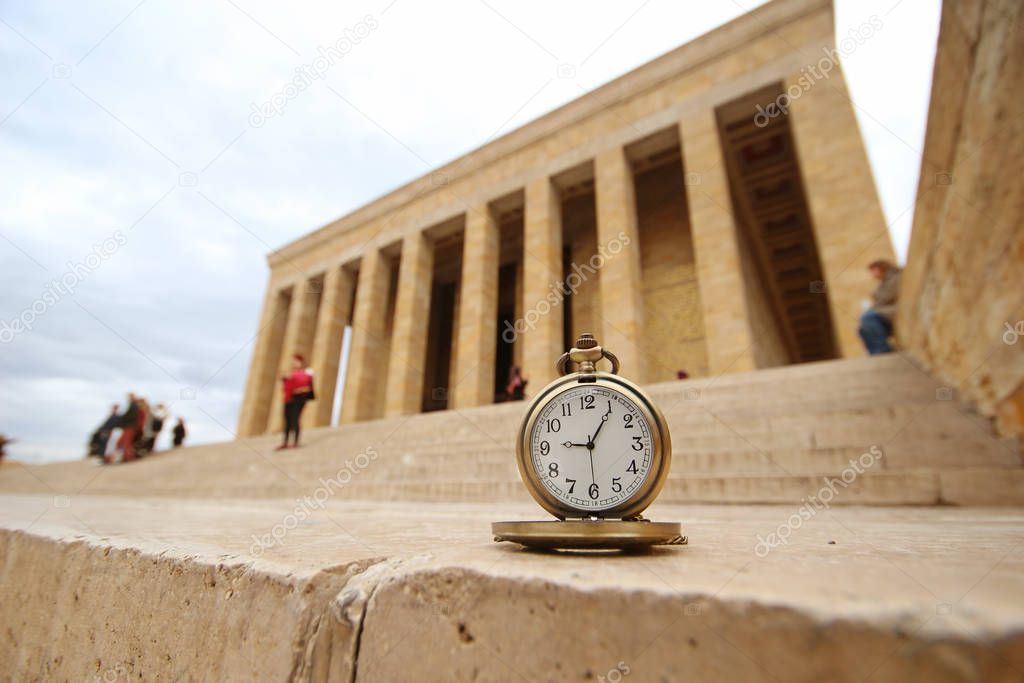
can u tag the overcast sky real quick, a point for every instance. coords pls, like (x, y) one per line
(135, 176)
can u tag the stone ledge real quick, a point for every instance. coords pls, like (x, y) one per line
(168, 587)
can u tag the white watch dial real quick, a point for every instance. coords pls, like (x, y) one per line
(591, 447)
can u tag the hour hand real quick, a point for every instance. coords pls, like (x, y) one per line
(570, 444)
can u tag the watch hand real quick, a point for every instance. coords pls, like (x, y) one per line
(569, 444)
(593, 477)
(604, 418)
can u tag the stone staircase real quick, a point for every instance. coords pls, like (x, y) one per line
(772, 436)
(367, 554)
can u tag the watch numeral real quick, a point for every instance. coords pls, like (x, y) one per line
(593, 491)
(587, 402)
(566, 409)
(629, 421)
(632, 466)
(637, 444)
(545, 448)
(553, 470)
(571, 483)
(554, 425)
(616, 485)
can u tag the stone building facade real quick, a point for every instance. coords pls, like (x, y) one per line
(711, 211)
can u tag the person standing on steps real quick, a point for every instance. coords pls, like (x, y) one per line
(297, 388)
(516, 384)
(876, 323)
(101, 437)
(4, 441)
(179, 433)
(129, 424)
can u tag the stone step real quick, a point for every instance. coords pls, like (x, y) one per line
(243, 472)
(928, 425)
(968, 486)
(463, 451)
(109, 588)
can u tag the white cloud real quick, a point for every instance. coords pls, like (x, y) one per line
(169, 88)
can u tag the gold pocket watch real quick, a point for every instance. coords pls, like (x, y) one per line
(594, 451)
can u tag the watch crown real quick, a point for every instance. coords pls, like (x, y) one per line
(586, 341)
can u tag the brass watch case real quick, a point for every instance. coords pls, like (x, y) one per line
(661, 447)
(585, 534)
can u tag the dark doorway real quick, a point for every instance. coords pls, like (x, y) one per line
(439, 344)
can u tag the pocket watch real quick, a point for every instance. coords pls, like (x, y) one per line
(593, 450)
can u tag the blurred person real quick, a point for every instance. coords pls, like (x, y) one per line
(516, 384)
(4, 441)
(129, 425)
(297, 388)
(154, 425)
(876, 323)
(101, 437)
(179, 433)
(143, 431)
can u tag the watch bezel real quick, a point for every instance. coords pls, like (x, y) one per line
(661, 448)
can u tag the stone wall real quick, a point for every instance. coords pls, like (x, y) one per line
(580, 223)
(673, 317)
(963, 288)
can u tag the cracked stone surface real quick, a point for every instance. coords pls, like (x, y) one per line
(173, 589)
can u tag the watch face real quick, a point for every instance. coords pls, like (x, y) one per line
(591, 447)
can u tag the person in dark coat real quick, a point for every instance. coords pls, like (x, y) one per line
(100, 438)
(179, 433)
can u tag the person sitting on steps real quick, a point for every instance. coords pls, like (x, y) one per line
(876, 323)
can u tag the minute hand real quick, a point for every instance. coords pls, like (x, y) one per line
(604, 418)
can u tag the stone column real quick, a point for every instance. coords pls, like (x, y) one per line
(368, 331)
(298, 338)
(622, 304)
(716, 237)
(542, 273)
(404, 394)
(335, 309)
(849, 225)
(478, 312)
(260, 384)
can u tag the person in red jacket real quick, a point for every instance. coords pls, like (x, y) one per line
(297, 388)
(129, 421)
